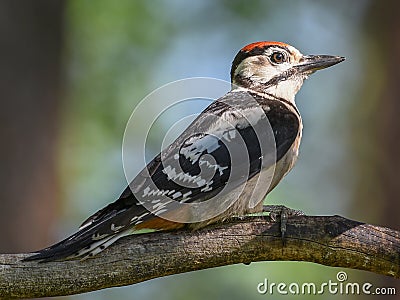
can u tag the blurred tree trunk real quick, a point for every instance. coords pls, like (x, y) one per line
(387, 33)
(30, 54)
(379, 149)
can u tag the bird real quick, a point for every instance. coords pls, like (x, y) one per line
(258, 115)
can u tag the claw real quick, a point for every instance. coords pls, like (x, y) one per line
(284, 213)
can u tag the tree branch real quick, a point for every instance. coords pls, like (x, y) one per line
(332, 241)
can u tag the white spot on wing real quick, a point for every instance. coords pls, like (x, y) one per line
(161, 211)
(207, 188)
(182, 176)
(176, 195)
(142, 216)
(115, 228)
(213, 166)
(206, 144)
(146, 191)
(98, 236)
(187, 194)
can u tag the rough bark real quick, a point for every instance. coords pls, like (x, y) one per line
(331, 240)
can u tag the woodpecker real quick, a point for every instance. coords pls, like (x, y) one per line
(271, 73)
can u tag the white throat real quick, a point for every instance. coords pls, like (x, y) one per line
(286, 89)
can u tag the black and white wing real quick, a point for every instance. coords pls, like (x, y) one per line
(194, 168)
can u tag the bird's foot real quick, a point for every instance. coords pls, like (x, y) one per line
(283, 213)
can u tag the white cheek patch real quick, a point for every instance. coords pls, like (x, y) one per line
(259, 69)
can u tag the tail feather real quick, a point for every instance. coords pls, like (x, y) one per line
(72, 248)
(100, 245)
(97, 233)
(62, 250)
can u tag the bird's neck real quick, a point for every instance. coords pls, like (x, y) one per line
(284, 89)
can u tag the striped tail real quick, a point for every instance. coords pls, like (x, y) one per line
(72, 248)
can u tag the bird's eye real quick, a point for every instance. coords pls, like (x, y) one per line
(278, 57)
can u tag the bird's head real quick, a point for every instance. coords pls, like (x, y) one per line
(276, 68)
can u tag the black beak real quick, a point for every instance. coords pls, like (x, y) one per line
(311, 63)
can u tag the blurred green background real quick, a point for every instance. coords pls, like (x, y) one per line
(73, 71)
